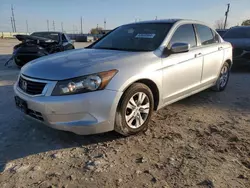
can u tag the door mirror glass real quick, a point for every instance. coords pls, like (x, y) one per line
(180, 47)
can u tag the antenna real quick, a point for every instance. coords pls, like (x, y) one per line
(13, 19)
(226, 14)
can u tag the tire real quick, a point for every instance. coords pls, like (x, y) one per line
(138, 123)
(224, 74)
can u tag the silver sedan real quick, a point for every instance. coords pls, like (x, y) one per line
(117, 82)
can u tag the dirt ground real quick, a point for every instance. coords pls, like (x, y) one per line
(202, 141)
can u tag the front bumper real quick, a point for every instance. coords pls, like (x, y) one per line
(83, 114)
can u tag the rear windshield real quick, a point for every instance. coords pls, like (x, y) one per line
(135, 37)
(238, 33)
(48, 35)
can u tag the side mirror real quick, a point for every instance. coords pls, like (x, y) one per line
(180, 47)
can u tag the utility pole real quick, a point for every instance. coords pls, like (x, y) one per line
(62, 26)
(27, 26)
(48, 25)
(13, 18)
(81, 24)
(226, 14)
(12, 24)
(54, 28)
(105, 24)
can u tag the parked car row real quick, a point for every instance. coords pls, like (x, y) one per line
(120, 80)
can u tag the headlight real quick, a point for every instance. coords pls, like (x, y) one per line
(84, 84)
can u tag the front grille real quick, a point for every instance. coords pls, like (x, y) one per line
(237, 52)
(35, 114)
(30, 87)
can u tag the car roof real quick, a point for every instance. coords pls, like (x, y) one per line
(240, 27)
(48, 32)
(172, 21)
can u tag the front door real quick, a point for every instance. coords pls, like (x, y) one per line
(182, 72)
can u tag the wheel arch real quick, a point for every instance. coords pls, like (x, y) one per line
(152, 86)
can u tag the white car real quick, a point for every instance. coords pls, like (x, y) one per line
(117, 82)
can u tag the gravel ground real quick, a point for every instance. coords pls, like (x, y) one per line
(201, 141)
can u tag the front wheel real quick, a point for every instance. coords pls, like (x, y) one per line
(222, 81)
(134, 110)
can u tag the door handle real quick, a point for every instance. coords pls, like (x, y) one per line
(198, 55)
(220, 48)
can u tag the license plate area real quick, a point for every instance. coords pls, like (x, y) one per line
(21, 104)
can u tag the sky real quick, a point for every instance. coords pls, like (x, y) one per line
(116, 12)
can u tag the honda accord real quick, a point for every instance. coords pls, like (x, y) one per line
(120, 80)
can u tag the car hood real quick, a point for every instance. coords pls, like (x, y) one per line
(239, 43)
(33, 38)
(75, 63)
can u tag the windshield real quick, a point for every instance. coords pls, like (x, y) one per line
(48, 35)
(135, 37)
(240, 32)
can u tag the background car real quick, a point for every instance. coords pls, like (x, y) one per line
(39, 44)
(239, 37)
(221, 31)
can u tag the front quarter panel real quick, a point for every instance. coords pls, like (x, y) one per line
(145, 66)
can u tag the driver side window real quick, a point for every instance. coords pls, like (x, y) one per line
(184, 34)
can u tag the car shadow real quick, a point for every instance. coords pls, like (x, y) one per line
(11, 64)
(21, 137)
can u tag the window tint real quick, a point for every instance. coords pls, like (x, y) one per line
(205, 34)
(135, 37)
(64, 38)
(184, 34)
(67, 37)
(216, 37)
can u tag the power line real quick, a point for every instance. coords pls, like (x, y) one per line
(12, 24)
(13, 18)
(27, 26)
(226, 14)
(62, 26)
(81, 24)
(54, 28)
(48, 25)
(105, 24)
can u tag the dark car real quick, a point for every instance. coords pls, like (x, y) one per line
(239, 37)
(39, 44)
(221, 32)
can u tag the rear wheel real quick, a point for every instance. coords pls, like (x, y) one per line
(134, 111)
(222, 81)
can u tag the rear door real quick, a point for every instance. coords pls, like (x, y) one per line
(212, 51)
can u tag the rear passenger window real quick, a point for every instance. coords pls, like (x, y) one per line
(205, 35)
(184, 34)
